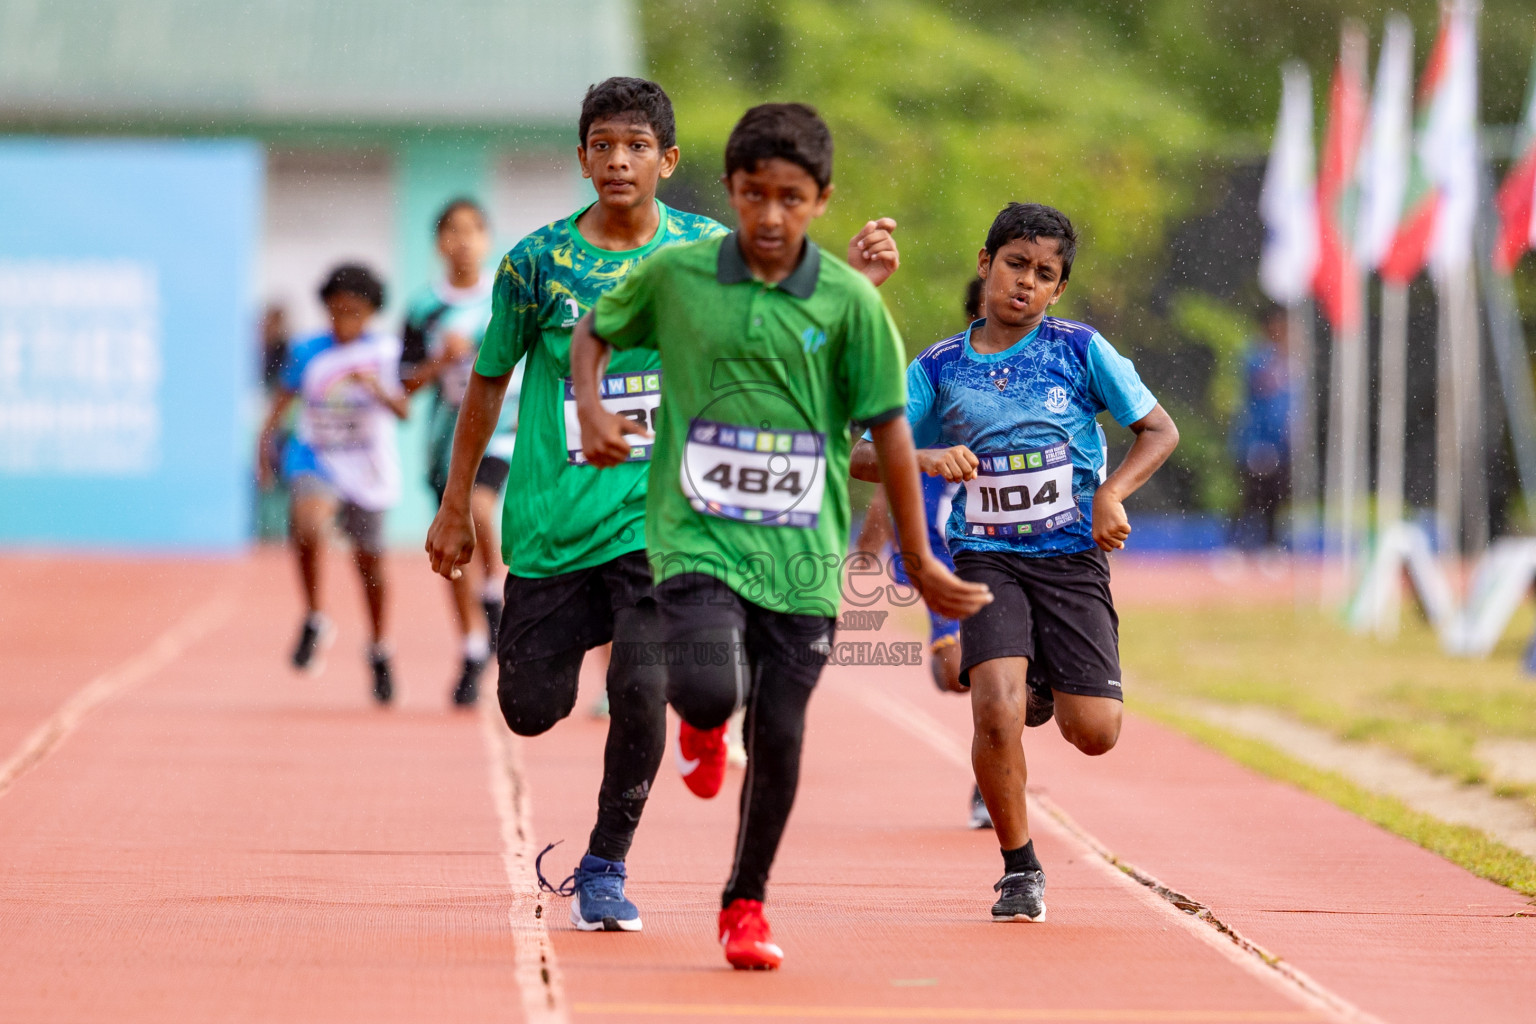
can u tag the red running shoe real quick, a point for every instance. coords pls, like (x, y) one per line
(701, 758)
(747, 939)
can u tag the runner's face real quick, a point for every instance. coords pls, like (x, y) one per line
(349, 315)
(775, 204)
(625, 162)
(464, 240)
(1022, 281)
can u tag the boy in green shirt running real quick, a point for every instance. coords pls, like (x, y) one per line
(769, 349)
(573, 537)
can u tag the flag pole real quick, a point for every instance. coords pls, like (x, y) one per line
(1347, 383)
(1474, 448)
(1392, 425)
(1334, 474)
(1384, 180)
(1447, 461)
(1303, 428)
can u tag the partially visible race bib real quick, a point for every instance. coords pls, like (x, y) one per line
(339, 423)
(635, 396)
(1019, 494)
(766, 477)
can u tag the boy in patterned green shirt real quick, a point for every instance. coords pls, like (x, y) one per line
(574, 537)
(769, 349)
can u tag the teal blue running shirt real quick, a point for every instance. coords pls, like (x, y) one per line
(1029, 413)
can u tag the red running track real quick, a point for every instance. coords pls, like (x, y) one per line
(193, 832)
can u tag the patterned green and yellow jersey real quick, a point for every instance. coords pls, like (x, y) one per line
(560, 514)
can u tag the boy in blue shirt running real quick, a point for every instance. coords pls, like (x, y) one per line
(1012, 404)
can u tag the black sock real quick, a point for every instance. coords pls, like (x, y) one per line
(1022, 859)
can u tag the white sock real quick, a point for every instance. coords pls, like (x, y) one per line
(317, 620)
(492, 591)
(379, 651)
(477, 646)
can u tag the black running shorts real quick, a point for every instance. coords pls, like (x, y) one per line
(549, 615)
(492, 472)
(1056, 611)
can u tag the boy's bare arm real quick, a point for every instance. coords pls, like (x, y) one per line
(455, 347)
(603, 433)
(451, 538)
(280, 403)
(957, 464)
(945, 592)
(875, 533)
(1156, 438)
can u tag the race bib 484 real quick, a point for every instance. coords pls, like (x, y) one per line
(766, 477)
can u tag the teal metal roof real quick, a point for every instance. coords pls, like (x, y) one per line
(359, 62)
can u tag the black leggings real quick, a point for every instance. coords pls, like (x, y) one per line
(731, 653)
(538, 692)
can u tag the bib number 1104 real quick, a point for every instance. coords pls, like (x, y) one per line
(1017, 497)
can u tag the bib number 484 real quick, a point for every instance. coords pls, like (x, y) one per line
(751, 480)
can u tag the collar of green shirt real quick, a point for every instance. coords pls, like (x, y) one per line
(801, 283)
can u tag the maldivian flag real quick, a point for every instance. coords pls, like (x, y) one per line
(1337, 281)
(1441, 206)
(1288, 202)
(1517, 197)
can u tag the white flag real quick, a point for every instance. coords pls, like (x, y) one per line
(1383, 165)
(1288, 203)
(1448, 145)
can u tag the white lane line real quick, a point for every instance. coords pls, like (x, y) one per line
(1192, 916)
(537, 972)
(169, 646)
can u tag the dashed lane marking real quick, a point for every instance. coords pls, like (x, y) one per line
(538, 973)
(1192, 915)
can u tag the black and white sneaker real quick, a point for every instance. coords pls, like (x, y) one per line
(468, 690)
(1022, 899)
(383, 678)
(316, 635)
(980, 816)
(1039, 706)
(492, 618)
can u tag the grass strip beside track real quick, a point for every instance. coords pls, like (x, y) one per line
(1459, 844)
(1406, 694)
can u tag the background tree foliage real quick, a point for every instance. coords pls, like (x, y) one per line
(1145, 122)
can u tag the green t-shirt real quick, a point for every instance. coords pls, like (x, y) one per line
(749, 479)
(561, 515)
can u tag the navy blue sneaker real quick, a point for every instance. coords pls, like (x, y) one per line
(597, 890)
(598, 903)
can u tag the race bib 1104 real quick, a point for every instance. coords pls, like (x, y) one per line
(765, 477)
(1020, 494)
(635, 396)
